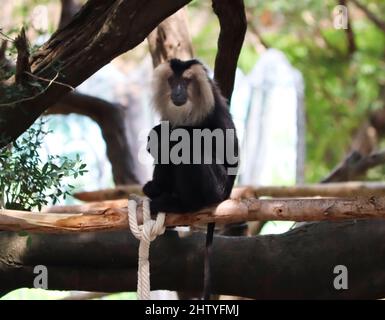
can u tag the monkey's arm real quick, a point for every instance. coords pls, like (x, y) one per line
(161, 181)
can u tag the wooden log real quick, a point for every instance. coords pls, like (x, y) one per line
(296, 265)
(110, 217)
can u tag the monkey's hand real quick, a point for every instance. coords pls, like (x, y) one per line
(152, 190)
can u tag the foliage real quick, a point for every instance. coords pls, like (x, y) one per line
(26, 182)
(342, 88)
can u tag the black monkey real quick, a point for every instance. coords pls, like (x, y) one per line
(188, 99)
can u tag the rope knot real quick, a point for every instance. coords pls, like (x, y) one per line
(145, 233)
(151, 229)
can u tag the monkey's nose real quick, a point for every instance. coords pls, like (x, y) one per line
(178, 99)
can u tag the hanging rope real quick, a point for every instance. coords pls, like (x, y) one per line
(145, 233)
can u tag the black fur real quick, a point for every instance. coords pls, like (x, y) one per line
(179, 66)
(189, 187)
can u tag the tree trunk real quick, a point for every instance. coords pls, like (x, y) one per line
(286, 266)
(171, 39)
(101, 31)
(232, 19)
(111, 119)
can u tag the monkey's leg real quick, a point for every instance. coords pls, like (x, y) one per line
(167, 202)
(200, 185)
(194, 187)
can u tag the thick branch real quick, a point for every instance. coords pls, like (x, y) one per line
(364, 143)
(111, 120)
(171, 39)
(366, 138)
(229, 211)
(22, 63)
(101, 31)
(355, 165)
(232, 19)
(68, 9)
(349, 31)
(295, 265)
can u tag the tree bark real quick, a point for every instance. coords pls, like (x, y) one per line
(232, 19)
(111, 216)
(22, 63)
(286, 266)
(111, 119)
(355, 165)
(101, 31)
(349, 31)
(171, 39)
(68, 10)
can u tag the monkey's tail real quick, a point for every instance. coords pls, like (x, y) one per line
(207, 268)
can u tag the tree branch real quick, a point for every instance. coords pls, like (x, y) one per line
(361, 157)
(354, 166)
(349, 31)
(22, 63)
(371, 16)
(68, 10)
(232, 20)
(171, 39)
(229, 211)
(111, 119)
(233, 25)
(101, 31)
(286, 266)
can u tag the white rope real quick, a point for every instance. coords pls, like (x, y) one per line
(145, 233)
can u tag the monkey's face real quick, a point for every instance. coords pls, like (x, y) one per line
(182, 92)
(179, 89)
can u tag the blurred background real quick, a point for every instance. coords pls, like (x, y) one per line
(307, 91)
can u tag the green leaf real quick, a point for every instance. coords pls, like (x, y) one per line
(29, 182)
(45, 167)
